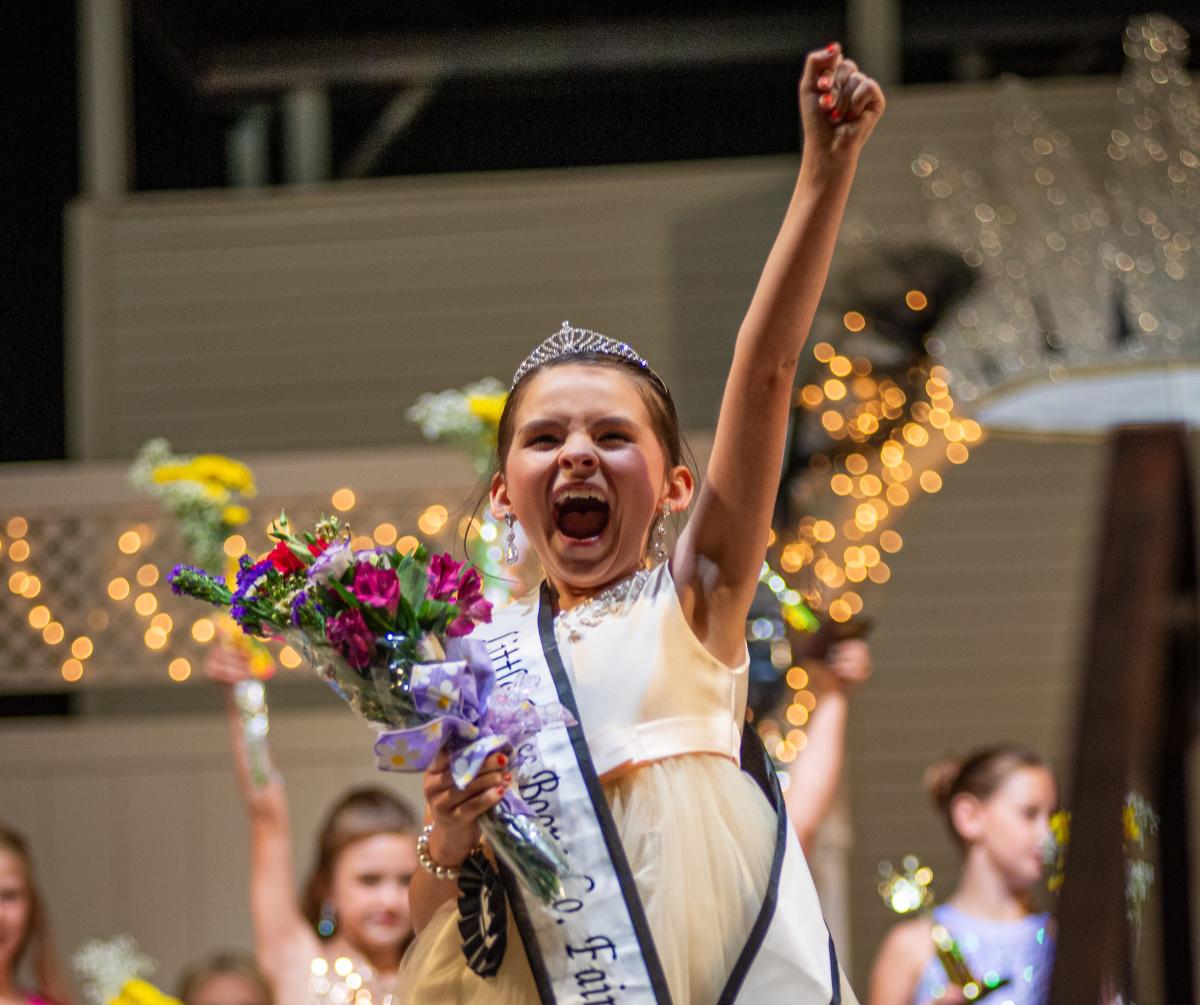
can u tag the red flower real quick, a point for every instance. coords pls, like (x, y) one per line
(284, 560)
(316, 549)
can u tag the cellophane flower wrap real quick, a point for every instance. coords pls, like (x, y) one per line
(389, 631)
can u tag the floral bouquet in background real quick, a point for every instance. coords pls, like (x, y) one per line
(204, 493)
(467, 418)
(388, 632)
(1138, 822)
(114, 971)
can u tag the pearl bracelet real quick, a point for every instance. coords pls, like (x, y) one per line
(426, 860)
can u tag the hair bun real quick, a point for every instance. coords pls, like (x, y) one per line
(939, 780)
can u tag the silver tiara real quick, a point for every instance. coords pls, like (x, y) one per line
(570, 341)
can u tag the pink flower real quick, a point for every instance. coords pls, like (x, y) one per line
(377, 587)
(473, 609)
(443, 577)
(351, 637)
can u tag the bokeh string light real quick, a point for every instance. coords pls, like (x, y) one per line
(133, 600)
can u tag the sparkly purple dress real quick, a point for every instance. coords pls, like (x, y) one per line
(1021, 951)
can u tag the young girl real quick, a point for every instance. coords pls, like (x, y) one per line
(224, 979)
(24, 929)
(688, 884)
(352, 923)
(997, 804)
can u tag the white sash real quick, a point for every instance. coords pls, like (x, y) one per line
(594, 946)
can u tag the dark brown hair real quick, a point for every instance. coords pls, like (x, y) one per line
(979, 774)
(218, 964)
(663, 417)
(360, 813)
(36, 940)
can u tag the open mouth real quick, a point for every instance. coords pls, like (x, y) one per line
(581, 514)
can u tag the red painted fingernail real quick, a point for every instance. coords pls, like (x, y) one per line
(825, 82)
(507, 777)
(502, 759)
(836, 115)
(831, 47)
(499, 790)
(826, 101)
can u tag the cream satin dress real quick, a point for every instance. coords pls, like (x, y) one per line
(662, 718)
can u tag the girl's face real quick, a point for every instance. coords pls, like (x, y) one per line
(15, 907)
(1012, 825)
(369, 891)
(228, 989)
(585, 474)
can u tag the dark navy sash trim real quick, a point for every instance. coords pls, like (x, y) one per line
(608, 829)
(836, 973)
(516, 901)
(758, 766)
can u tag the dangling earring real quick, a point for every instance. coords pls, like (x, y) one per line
(327, 920)
(511, 555)
(659, 552)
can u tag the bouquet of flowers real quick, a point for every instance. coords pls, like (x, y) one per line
(204, 493)
(114, 971)
(388, 632)
(466, 418)
(1138, 822)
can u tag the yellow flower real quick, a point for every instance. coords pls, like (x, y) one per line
(235, 516)
(139, 992)
(1132, 831)
(171, 473)
(217, 474)
(232, 474)
(487, 407)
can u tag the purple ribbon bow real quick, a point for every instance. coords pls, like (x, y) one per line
(465, 713)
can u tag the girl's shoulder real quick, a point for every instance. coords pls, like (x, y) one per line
(908, 945)
(915, 933)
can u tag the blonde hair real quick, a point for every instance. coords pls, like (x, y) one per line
(36, 942)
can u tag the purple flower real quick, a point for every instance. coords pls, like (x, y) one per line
(351, 637)
(181, 572)
(248, 573)
(443, 577)
(331, 563)
(298, 603)
(377, 587)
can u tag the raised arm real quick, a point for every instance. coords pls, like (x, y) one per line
(282, 937)
(719, 554)
(816, 775)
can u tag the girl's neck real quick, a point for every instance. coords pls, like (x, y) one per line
(984, 893)
(567, 596)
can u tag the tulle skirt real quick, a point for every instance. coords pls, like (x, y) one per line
(699, 836)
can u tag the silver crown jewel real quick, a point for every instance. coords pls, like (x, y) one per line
(570, 341)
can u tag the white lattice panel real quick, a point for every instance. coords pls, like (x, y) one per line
(63, 526)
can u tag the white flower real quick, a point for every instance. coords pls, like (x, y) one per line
(332, 562)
